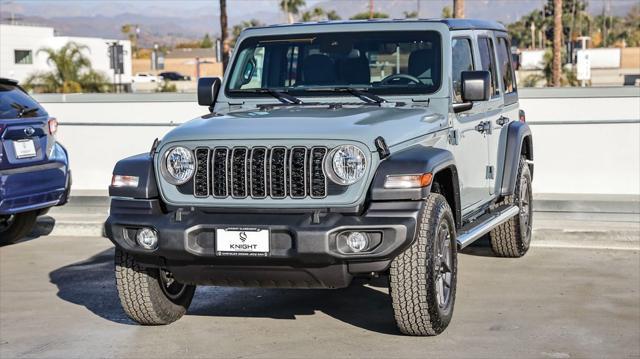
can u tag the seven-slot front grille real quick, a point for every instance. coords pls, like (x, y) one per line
(260, 172)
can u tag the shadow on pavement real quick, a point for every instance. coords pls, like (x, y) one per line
(91, 284)
(43, 227)
(358, 305)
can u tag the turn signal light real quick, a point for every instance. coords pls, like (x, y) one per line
(124, 181)
(408, 181)
(53, 125)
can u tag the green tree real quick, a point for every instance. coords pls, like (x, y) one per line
(237, 30)
(447, 12)
(410, 14)
(319, 14)
(292, 8)
(71, 72)
(333, 15)
(206, 42)
(366, 15)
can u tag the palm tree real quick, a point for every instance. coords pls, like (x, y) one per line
(292, 7)
(71, 72)
(226, 48)
(458, 9)
(557, 42)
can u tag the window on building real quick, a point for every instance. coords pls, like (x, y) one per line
(23, 57)
(488, 61)
(462, 61)
(504, 60)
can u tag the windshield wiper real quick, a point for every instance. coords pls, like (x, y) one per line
(364, 95)
(280, 95)
(361, 93)
(24, 110)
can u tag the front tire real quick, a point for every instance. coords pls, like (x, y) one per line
(150, 296)
(17, 226)
(422, 280)
(512, 238)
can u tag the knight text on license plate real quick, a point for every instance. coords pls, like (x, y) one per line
(242, 242)
(24, 149)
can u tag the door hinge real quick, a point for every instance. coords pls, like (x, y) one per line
(490, 172)
(454, 137)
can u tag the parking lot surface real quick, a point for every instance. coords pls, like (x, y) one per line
(58, 300)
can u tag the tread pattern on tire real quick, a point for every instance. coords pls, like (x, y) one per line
(142, 297)
(506, 240)
(411, 279)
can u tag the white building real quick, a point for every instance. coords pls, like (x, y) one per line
(19, 56)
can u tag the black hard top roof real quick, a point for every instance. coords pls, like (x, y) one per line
(453, 24)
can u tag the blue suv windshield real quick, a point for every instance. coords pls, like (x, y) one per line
(389, 62)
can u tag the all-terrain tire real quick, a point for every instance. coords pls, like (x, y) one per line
(512, 238)
(413, 276)
(142, 296)
(19, 226)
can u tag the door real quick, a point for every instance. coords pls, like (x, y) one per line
(470, 145)
(492, 108)
(500, 122)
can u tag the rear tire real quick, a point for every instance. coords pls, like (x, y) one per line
(512, 238)
(17, 226)
(148, 295)
(422, 280)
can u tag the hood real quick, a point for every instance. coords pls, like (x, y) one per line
(359, 123)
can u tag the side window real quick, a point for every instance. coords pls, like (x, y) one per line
(462, 60)
(488, 61)
(506, 69)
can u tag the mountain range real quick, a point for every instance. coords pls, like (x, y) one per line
(170, 22)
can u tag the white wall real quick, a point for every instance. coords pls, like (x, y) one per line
(13, 37)
(585, 140)
(603, 58)
(34, 38)
(585, 158)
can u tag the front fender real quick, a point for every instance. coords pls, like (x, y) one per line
(518, 138)
(415, 160)
(140, 166)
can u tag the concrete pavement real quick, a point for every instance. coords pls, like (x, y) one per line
(57, 300)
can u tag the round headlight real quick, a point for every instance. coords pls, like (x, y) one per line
(347, 165)
(179, 165)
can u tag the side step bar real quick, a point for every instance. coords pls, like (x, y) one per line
(485, 224)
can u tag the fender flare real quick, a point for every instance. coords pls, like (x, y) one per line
(140, 166)
(414, 160)
(518, 136)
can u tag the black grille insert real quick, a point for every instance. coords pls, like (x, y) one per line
(260, 172)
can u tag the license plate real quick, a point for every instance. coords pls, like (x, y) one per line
(253, 242)
(24, 148)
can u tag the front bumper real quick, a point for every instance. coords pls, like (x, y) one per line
(303, 244)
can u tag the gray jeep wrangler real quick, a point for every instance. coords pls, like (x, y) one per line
(332, 151)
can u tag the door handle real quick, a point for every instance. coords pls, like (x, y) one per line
(502, 121)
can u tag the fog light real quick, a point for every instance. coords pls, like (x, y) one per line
(357, 241)
(147, 238)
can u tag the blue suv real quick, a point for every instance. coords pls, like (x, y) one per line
(34, 168)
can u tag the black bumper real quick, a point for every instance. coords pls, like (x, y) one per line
(303, 248)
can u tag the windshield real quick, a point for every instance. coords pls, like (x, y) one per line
(389, 62)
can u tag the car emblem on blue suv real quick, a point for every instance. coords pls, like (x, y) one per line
(29, 131)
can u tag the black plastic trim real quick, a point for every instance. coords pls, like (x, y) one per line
(415, 160)
(516, 136)
(140, 166)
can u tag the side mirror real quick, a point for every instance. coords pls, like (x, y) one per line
(208, 88)
(476, 86)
